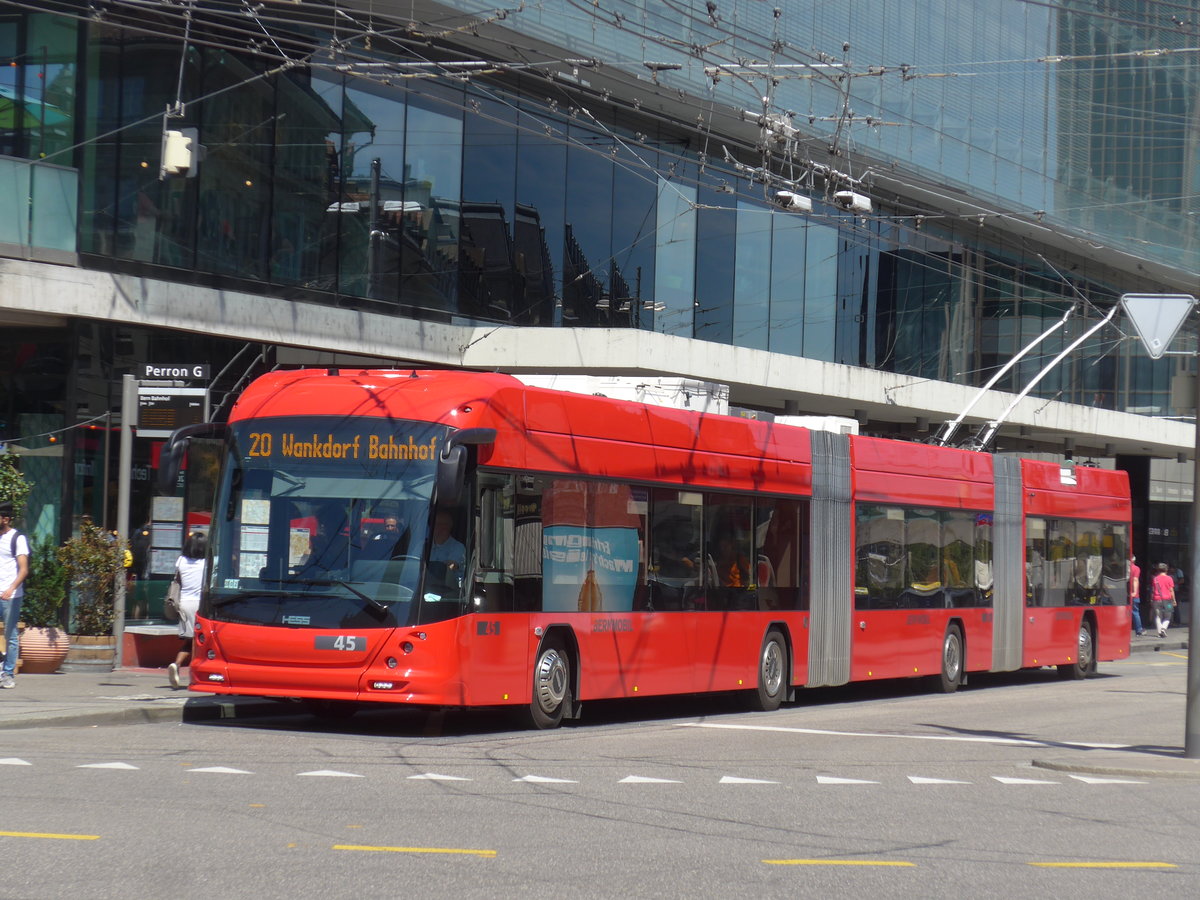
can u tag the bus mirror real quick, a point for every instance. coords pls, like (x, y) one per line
(452, 464)
(471, 436)
(173, 452)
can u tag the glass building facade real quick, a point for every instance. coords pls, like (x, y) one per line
(615, 165)
(371, 175)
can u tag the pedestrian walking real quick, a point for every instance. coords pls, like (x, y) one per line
(1135, 594)
(189, 569)
(14, 569)
(1162, 596)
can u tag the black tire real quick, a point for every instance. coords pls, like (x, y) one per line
(551, 686)
(772, 673)
(331, 710)
(1085, 655)
(953, 658)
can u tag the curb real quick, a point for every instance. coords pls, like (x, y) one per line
(185, 710)
(1156, 646)
(1089, 769)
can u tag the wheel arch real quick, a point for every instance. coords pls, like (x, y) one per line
(1089, 617)
(789, 693)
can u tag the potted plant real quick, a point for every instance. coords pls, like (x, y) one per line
(13, 485)
(44, 642)
(94, 560)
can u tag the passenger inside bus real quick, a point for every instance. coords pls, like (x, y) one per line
(729, 573)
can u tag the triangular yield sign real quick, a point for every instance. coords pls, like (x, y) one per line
(1157, 317)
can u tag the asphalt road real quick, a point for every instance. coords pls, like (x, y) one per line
(876, 791)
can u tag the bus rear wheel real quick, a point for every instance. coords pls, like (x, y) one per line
(951, 676)
(551, 686)
(772, 673)
(1085, 655)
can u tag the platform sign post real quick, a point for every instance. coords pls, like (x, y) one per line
(1157, 319)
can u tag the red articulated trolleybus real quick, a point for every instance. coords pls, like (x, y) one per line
(450, 538)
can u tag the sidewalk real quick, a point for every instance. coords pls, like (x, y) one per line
(1150, 642)
(128, 696)
(120, 697)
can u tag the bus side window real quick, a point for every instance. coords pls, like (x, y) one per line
(730, 578)
(676, 564)
(493, 588)
(527, 543)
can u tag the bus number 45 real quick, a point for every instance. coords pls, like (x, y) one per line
(340, 642)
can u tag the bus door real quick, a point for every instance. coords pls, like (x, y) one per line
(895, 574)
(1050, 627)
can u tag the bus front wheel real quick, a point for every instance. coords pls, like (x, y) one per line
(772, 673)
(551, 686)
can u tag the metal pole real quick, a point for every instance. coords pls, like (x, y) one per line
(129, 400)
(373, 234)
(1191, 729)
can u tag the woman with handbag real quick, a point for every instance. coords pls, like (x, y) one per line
(1163, 599)
(189, 571)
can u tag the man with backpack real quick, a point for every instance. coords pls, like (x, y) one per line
(14, 568)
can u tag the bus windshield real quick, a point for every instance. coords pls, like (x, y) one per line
(321, 522)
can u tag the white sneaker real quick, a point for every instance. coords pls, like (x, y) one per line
(7, 682)
(173, 675)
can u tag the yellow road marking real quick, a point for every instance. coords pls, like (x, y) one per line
(57, 837)
(1104, 865)
(1176, 655)
(837, 862)
(488, 853)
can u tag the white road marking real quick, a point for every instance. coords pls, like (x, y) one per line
(917, 779)
(222, 770)
(1017, 742)
(628, 779)
(111, 765)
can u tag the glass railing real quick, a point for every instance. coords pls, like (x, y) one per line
(43, 202)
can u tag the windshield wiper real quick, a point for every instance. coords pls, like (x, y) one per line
(243, 595)
(332, 582)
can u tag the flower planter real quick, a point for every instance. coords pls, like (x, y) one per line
(91, 653)
(43, 650)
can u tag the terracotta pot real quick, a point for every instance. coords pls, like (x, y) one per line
(43, 650)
